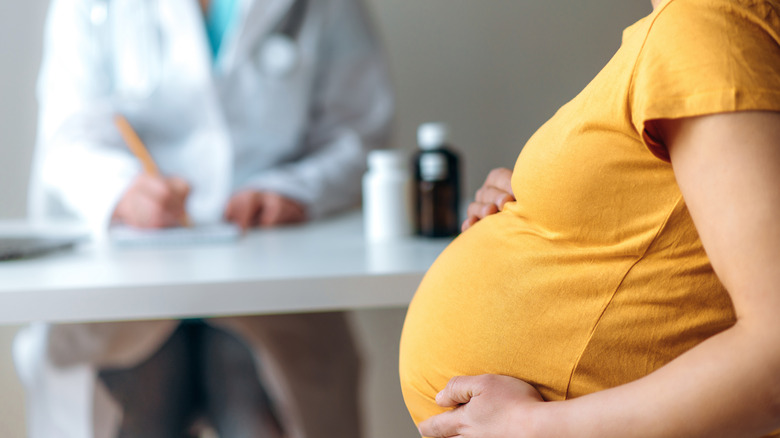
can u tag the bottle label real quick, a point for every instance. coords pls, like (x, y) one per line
(433, 167)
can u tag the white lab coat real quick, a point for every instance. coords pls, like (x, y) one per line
(221, 127)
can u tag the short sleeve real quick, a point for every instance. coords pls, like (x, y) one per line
(704, 57)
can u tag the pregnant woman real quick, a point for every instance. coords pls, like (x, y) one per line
(632, 288)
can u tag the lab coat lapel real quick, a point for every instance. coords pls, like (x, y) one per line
(210, 137)
(260, 18)
(185, 19)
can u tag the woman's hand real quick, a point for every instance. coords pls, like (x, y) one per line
(491, 197)
(250, 208)
(486, 406)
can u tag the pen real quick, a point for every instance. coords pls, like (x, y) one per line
(138, 149)
(136, 145)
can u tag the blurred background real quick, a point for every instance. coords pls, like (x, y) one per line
(494, 70)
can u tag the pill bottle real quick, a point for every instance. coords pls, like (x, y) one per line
(436, 183)
(387, 196)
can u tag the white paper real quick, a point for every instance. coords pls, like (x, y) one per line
(198, 234)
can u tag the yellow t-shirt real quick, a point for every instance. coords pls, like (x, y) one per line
(596, 276)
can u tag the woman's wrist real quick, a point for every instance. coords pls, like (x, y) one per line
(552, 419)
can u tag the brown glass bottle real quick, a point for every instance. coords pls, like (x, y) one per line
(437, 183)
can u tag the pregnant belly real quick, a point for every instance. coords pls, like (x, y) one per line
(493, 305)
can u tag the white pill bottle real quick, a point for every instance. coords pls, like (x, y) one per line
(387, 193)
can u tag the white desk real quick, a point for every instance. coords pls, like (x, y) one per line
(325, 265)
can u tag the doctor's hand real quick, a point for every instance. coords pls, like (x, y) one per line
(251, 208)
(153, 201)
(486, 406)
(491, 197)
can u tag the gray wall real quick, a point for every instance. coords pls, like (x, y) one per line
(20, 49)
(493, 69)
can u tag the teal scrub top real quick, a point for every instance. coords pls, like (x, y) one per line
(220, 16)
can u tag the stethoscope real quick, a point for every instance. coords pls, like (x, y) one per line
(277, 56)
(280, 52)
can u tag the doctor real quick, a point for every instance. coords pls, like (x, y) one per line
(259, 112)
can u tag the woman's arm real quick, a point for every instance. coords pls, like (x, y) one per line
(728, 169)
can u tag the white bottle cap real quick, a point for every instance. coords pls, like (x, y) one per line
(432, 135)
(387, 159)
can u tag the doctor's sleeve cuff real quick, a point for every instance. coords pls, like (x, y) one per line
(90, 187)
(327, 181)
